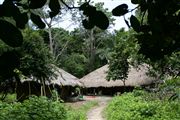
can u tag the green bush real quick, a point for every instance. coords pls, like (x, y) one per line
(171, 88)
(36, 108)
(9, 98)
(130, 106)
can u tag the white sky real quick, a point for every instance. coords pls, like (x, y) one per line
(110, 4)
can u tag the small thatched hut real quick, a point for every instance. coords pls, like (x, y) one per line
(95, 82)
(63, 82)
(66, 82)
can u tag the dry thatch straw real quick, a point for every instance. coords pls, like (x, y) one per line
(65, 79)
(62, 78)
(136, 77)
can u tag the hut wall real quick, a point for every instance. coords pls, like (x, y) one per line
(65, 92)
(106, 90)
(27, 88)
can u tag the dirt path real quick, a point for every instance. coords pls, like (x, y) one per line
(96, 112)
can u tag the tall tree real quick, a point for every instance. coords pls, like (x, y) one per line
(123, 55)
(93, 38)
(36, 59)
(158, 36)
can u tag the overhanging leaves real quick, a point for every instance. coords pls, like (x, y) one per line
(101, 20)
(34, 4)
(120, 10)
(10, 34)
(135, 1)
(8, 9)
(135, 23)
(37, 20)
(95, 18)
(21, 20)
(55, 8)
(87, 24)
(8, 62)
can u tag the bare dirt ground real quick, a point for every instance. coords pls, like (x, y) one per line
(96, 112)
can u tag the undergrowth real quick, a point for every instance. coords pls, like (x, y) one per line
(142, 105)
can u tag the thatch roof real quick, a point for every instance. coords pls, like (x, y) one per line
(97, 78)
(65, 79)
(62, 78)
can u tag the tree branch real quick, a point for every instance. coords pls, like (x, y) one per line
(68, 5)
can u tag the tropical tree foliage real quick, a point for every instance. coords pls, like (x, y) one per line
(158, 35)
(123, 55)
(36, 60)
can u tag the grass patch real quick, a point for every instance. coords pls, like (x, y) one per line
(9, 98)
(80, 113)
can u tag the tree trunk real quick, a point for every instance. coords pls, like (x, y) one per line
(50, 40)
(92, 51)
(124, 85)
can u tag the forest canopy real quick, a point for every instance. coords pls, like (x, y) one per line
(157, 26)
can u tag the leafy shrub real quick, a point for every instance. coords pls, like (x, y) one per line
(9, 98)
(133, 107)
(171, 88)
(36, 108)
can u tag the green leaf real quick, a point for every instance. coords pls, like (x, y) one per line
(134, 1)
(34, 4)
(8, 62)
(87, 24)
(21, 20)
(84, 6)
(101, 20)
(10, 34)
(8, 9)
(37, 20)
(53, 14)
(87, 9)
(120, 10)
(135, 24)
(55, 7)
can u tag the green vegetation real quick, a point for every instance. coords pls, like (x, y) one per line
(36, 108)
(132, 107)
(153, 40)
(142, 105)
(41, 108)
(8, 98)
(80, 113)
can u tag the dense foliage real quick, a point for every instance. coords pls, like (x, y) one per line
(123, 55)
(42, 108)
(31, 59)
(161, 103)
(36, 108)
(133, 106)
(158, 27)
(157, 38)
(36, 58)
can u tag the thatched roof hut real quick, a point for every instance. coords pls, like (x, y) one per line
(97, 78)
(64, 78)
(61, 78)
(63, 82)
